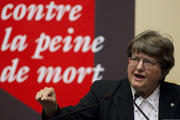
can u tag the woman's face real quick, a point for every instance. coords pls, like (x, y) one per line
(144, 73)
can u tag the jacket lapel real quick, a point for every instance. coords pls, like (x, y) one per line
(167, 102)
(123, 100)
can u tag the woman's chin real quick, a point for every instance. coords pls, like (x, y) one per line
(137, 85)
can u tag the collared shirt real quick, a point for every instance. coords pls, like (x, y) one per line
(149, 106)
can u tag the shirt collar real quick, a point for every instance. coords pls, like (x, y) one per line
(153, 99)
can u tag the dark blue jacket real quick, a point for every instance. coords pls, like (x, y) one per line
(113, 100)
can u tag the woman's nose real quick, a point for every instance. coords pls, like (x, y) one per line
(140, 65)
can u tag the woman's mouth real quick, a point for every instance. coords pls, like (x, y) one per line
(139, 77)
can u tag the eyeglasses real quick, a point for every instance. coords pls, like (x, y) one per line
(146, 62)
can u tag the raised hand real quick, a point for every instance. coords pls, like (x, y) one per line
(47, 98)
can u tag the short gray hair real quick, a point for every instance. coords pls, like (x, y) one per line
(155, 45)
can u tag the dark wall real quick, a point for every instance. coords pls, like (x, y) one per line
(115, 21)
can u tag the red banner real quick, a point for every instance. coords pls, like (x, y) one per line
(48, 43)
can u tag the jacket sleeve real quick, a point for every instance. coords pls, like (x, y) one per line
(94, 96)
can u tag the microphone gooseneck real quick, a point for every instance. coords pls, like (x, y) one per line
(136, 95)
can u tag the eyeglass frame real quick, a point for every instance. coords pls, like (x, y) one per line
(147, 63)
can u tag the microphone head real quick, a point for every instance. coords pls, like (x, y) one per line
(136, 95)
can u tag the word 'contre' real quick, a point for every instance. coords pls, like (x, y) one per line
(39, 12)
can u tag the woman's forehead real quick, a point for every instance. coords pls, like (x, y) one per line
(141, 54)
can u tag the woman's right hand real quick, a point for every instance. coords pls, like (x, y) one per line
(47, 98)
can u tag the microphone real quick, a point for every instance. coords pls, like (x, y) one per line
(136, 95)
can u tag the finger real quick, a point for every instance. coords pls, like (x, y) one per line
(38, 96)
(48, 98)
(48, 92)
(46, 95)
